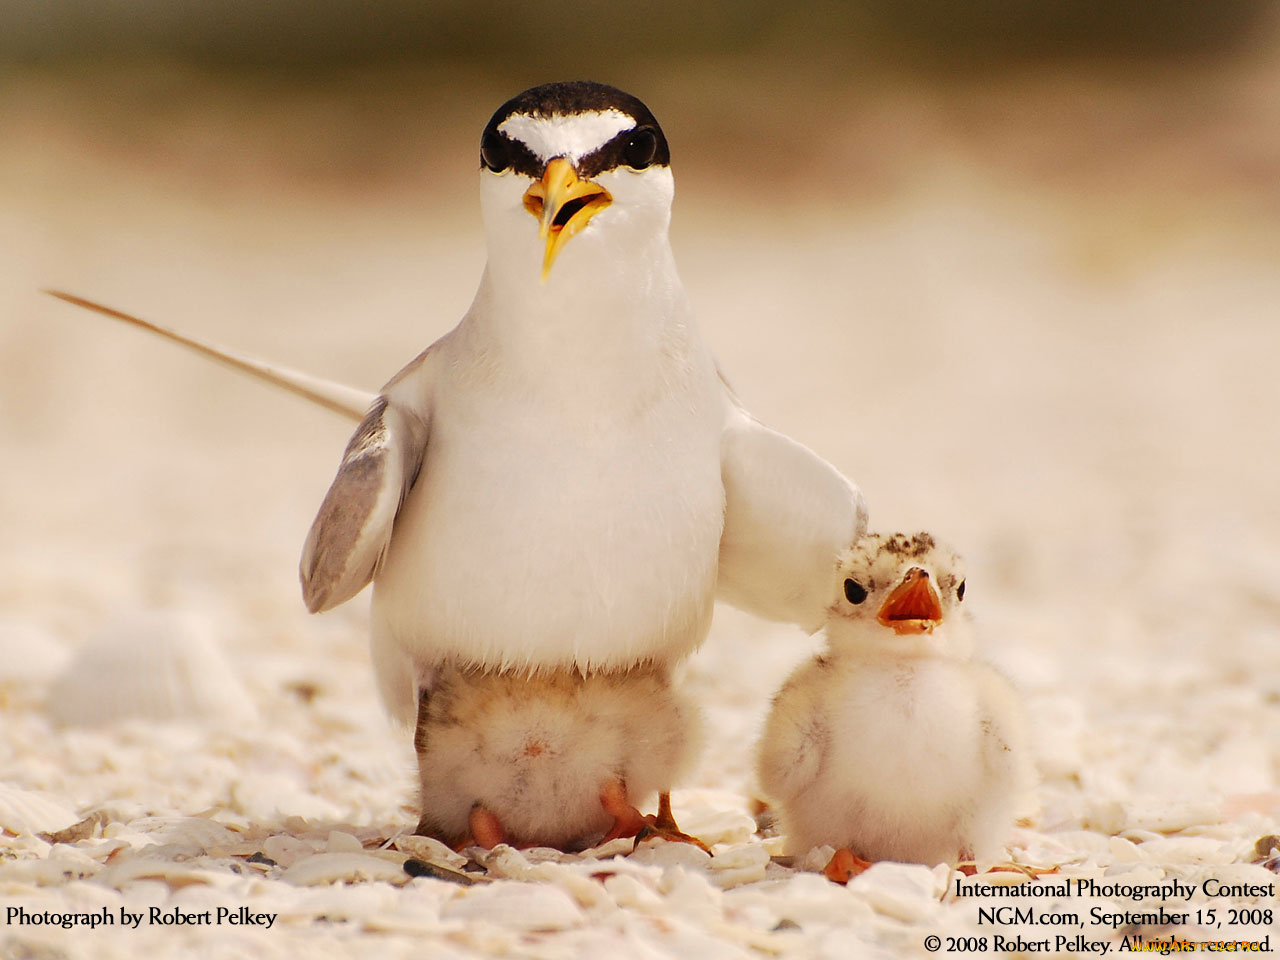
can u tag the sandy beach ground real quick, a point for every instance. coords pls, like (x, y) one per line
(1038, 318)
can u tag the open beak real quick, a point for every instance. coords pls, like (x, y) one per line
(563, 203)
(913, 606)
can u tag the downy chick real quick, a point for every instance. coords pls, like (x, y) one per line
(894, 743)
(555, 758)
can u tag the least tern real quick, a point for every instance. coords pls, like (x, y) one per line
(564, 482)
(894, 743)
(564, 479)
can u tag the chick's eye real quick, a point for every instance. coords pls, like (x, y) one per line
(640, 149)
(854, 592)
(493, 152)
(960, 591)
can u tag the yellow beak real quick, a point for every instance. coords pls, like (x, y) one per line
(563, 204)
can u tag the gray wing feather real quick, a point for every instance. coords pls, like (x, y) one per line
(351, 532)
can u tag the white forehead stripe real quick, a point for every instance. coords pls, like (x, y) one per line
(572, 137)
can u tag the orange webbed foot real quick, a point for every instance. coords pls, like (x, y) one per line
(629, 822)
(664, 825)
(485, 830)
(844, 866)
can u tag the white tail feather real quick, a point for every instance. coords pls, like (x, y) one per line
(337, 397)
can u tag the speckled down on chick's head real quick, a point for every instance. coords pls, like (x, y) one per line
(899, 590)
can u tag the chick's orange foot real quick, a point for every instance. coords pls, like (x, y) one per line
(844, 865)
(630, 822)
(484, 829)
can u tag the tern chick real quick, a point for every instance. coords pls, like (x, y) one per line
(894, 744)
(555, 759)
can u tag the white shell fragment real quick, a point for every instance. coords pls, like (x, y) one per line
(431, 850)
(505, 861)
(325, 868)
(713, 816)
(176, 874)
(343, 842)
(184, 837)
(665, 853)
(25, 811)
(906, 892)
(738, 865)
(149, 667)
(47, 873)
(286, 850)
(525, 907)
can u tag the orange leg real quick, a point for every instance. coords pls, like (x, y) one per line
(486, 830)
(627, 820)
(664, 825)
(665, 818)
(844, 866)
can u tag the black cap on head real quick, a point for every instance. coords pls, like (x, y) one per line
(641, 146)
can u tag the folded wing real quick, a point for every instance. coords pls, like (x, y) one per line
(788, 513)
(350, 534)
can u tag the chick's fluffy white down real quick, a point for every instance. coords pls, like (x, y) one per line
(537, 752)
(911, 760)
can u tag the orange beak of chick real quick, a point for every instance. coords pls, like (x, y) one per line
(913, 606)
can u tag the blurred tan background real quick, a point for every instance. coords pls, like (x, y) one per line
(1011, 265)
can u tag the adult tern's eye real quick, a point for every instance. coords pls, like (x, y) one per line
(493, 152)
(640, 149)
